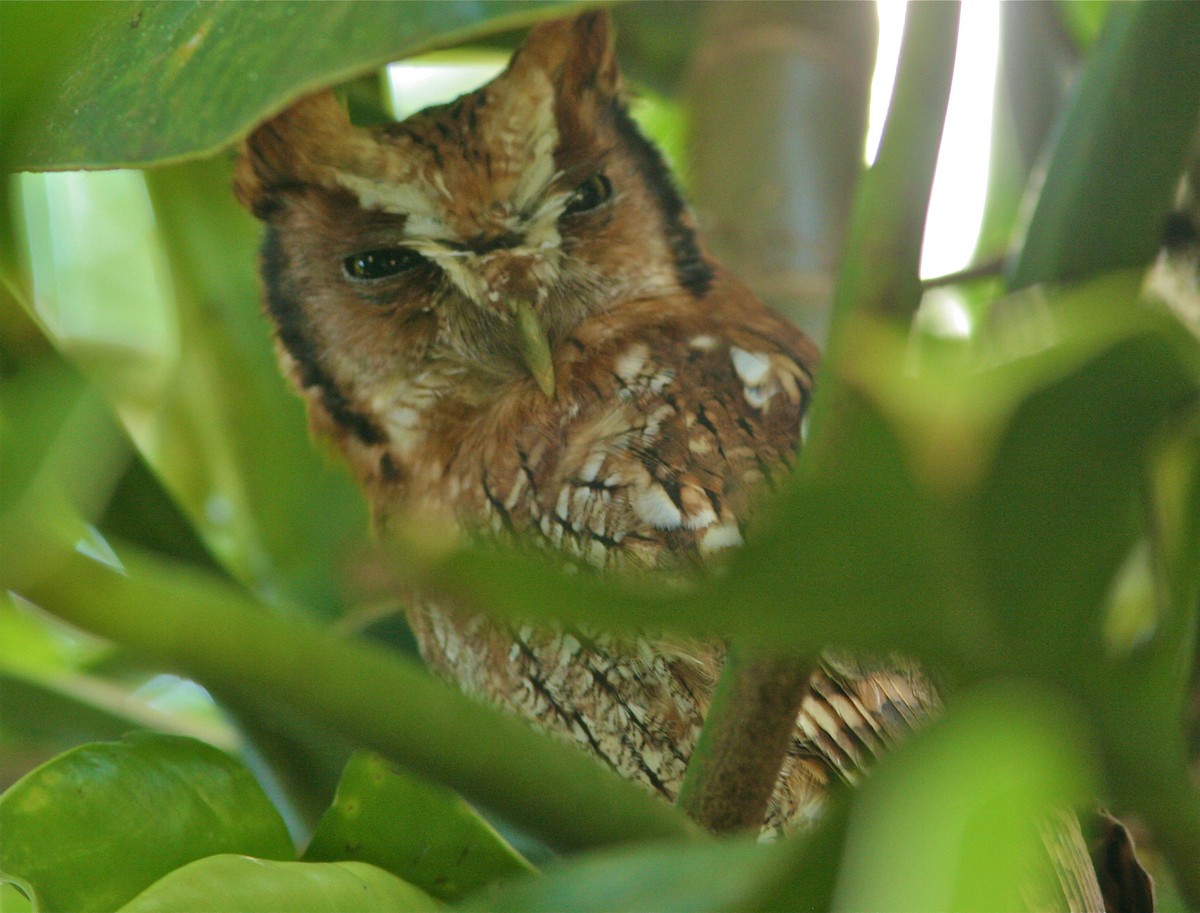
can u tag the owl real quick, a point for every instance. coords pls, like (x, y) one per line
(501, 314)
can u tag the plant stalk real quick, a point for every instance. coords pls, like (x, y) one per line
(745, 739)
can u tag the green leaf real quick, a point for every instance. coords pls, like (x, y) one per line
(50, 35)
(221, 637)
(739, 874)
(158, 81)
(236, 431)
(93, 827)
(1056, 515)
(951, 821)
(1084, 19)
(240, 884)
(878, 274)
(667, 877)
(1121, 148)
(14, 897)
(45, 716)
(62, 455)
(423, 833)
(184, 358)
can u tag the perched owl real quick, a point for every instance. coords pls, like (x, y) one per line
(500, 311)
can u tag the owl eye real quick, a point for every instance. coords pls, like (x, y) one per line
(588, 195)
(379, 264)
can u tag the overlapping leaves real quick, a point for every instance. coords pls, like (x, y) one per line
(986, 500)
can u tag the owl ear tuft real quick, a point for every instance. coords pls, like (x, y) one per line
(297, 146)
(576, 53)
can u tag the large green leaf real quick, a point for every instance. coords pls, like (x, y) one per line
(240, 884)
(159, 81)
(423, 833)
(93, 827)
(659, 878)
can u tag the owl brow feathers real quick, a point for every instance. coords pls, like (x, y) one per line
(591, 67)
(692, 269)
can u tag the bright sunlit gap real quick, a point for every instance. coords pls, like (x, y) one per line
(438, 77)
(960, 182)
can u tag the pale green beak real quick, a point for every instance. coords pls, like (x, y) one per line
(535, 347)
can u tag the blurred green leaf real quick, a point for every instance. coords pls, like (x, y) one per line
(1036, 73)
(239, 884)
(950, 823)
(1084, 19)
(184, 357)
(228, 403)
(13, 899)
(420, 832)
(142, 511)
(658, 878)
(160, 81)
(1121, 148)
(98, 824)
(217, 634)
(739, 874)
(45, 716)
(878, 274)
(1057, 513)
(62, 455)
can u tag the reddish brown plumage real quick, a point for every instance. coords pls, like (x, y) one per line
(677, 397)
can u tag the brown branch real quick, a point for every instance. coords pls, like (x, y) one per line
(745, 740)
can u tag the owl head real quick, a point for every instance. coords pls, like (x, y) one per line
(457, 249)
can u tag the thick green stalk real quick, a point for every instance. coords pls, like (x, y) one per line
(218, 635)
(1120, 150)
(879, 271)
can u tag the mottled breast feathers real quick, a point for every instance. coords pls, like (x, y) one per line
(500, 311)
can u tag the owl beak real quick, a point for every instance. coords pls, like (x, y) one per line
(535, 347)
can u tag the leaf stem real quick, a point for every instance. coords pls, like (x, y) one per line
(879, 275)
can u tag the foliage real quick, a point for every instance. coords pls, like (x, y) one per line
(1020, 510)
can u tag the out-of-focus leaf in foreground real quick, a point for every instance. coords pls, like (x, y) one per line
(170, 332)
(951, 824)
(740, 874)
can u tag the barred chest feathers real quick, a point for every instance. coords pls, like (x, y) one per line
(500, 311)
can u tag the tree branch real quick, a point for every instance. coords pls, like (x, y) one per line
(745, 740)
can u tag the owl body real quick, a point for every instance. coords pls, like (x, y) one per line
(500, 312)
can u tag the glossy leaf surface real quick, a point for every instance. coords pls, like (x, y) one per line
(421, 832)
(240, 884)
(160, 81)
(93, 827)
